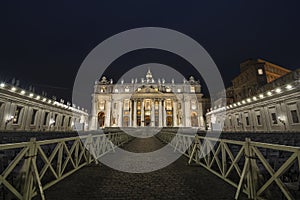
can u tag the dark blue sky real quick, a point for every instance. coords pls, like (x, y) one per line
(44, 43)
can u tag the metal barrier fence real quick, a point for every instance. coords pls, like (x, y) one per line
(260, 170)
(29, 168)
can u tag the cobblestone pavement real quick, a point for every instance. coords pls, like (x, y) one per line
(176, 181)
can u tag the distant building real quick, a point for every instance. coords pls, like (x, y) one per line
(22, 110)
(149, 102)
(274, 107)
(254, 74)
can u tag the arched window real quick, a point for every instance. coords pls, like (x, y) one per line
(194, 119)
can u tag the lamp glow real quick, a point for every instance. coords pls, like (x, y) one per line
(289, 87)
(278, 90)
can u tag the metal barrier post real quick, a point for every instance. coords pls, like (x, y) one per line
(32, 173)
(28, 182)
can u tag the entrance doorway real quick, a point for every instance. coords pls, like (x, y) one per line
(101, 119)
(147, 120)
(194, 119)
(169, 121)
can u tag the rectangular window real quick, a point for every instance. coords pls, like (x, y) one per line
(34, 112)
(169, 105)
(156, 105)
(237, 120)
(258, 118)
(102, 105)
(274, 118)
(147, 105)
(17, 115)
(247, 120)
(45, 118)
(295, 118)
(126, 104)
(260, 71)
(192, 89)
(138, 105)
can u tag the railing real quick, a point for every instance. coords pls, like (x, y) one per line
(37, 165)
(260, 170)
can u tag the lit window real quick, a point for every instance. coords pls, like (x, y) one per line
(260, 71)
(126, 104)
(178, 90)
(116, 90)
(101, 105)
(126, 89)
(17, 115)
(192, 89)
(156, 105)
(147, 105)
(169, 105)
(168, 90)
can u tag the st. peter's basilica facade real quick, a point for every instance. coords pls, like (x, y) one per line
(147, 103)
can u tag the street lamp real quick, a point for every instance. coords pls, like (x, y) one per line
(282, 121)
(51, 122)
(9, 119)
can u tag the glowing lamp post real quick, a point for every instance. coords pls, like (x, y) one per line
(9, 119)
(51, 123)
(281, 120)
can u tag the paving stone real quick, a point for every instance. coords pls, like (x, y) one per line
(176, 181)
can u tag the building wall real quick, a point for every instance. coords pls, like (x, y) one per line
(21, 110)
(276, 108)
(254, 74)
(110, 99)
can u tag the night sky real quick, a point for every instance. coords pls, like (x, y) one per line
(44, 43)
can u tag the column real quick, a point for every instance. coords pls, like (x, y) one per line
(187, 114)
(152, 114)
(164, 119)
(130, 113)
(160, 113)
(174, 113)
(25, 119)
(94, 120)
(120, 113)
(134, 113)
(142, 112)
(107, 113)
